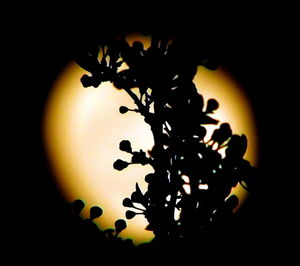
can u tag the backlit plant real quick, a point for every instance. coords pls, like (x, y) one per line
(189, 189)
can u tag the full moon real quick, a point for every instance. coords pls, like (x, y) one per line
(83, 129)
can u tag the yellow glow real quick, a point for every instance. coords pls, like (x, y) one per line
(83, 128)
(234, 108)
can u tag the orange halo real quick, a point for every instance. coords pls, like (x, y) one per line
(83, 128)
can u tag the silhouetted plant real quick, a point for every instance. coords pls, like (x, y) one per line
(168, 100)
(95, 212)
(87, 234)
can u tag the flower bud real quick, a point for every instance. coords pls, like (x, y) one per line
(130, 214)
(123, 109)
(120, 165)
(125, 145)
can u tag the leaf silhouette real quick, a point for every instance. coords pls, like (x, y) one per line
(237, 146)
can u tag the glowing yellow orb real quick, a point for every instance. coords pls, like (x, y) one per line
(83, 128)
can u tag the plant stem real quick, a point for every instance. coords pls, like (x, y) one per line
(136, 100)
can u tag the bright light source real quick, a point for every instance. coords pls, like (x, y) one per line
(185, 178)
(83, 128)
(203, 186)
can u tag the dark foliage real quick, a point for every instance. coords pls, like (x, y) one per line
(87, 237)
(168, 100)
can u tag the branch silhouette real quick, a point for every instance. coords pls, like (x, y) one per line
(189, 190)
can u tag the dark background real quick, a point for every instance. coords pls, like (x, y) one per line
(257, 46)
